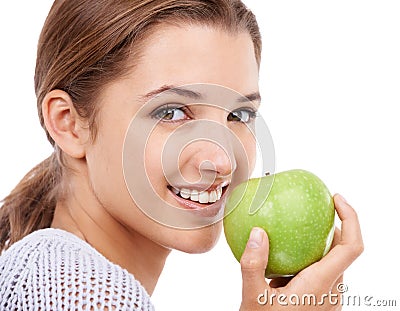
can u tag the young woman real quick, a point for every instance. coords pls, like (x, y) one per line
(98, 65)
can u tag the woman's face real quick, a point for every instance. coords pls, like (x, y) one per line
(176, 57)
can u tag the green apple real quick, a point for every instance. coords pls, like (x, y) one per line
(296, 210)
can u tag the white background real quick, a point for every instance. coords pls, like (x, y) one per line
(330, 81)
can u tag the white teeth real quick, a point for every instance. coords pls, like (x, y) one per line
(219, 193)
(202, 197)
(213, 196)
(194, 196)
(185, 193)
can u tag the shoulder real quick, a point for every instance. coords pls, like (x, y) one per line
(52, 266)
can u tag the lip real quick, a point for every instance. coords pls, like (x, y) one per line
(207, 210)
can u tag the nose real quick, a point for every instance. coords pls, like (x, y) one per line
(211, 158)
(206, 162)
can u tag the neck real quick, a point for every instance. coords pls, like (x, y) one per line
(82, 215)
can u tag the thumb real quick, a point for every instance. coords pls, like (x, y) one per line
(253, 263)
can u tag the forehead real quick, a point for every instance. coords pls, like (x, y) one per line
(178, 56)
(191, 54)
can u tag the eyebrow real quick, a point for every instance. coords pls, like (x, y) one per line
(172, 89)
(253, 97)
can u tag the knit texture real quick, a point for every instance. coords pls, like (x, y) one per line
(52, 269)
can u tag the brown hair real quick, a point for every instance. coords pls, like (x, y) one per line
(84, 45)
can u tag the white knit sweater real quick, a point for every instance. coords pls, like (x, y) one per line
(52, 269)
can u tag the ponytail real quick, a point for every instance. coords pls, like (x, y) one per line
(30, 206)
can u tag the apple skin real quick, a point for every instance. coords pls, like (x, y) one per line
(296, 210)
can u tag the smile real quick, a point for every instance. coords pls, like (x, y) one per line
(195, 199)
(203, 197)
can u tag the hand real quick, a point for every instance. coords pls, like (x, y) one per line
(319, 279)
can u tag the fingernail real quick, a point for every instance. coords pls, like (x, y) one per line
(255, 239)
(342, 198)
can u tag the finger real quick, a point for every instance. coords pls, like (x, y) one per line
(351, 231)
(349, 247)
(253, 264)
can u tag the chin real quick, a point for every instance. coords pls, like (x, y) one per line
(197, 241)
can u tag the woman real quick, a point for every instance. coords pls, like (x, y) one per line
(98, 65)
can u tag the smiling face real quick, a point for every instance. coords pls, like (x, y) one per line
(177, 57)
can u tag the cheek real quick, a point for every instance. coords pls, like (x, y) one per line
(153, 160)
(249, 145)
(106, 172)
(105, 162)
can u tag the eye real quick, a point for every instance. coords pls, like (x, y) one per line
(242, 115)
(170, 114)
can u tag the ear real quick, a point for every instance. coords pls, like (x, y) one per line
(64, 125)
